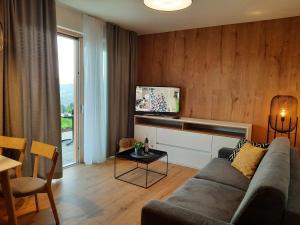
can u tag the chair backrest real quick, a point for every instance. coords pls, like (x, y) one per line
(48, 151)
(18, 144)
(126, 143)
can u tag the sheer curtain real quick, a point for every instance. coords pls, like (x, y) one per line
(95, 90)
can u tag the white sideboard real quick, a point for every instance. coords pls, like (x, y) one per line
(189, 142)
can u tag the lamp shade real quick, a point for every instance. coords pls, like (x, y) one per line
(283, 113)
(168, 5)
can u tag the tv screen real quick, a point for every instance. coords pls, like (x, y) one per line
(157, 99)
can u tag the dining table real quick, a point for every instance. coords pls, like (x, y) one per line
(5, 165)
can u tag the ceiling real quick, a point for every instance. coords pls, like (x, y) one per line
(134, 15)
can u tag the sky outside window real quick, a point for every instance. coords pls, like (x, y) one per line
(67, 59)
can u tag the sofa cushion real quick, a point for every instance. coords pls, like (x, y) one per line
(241, 143)
(208, 198)
(220, 170)
(248, 159)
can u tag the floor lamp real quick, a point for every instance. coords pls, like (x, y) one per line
(283, 117)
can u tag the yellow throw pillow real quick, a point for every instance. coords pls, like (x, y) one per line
(248, 159)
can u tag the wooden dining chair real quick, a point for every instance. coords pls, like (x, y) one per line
(27, 186)
(17, 144)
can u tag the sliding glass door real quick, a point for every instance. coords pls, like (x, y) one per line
(68, 56)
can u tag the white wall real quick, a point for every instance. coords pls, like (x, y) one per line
(68, 18)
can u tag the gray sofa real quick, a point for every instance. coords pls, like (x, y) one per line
(221, 195)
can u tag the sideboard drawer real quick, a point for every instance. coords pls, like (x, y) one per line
(184, 139)
(141, 132)
(186, 157)
(221, 142)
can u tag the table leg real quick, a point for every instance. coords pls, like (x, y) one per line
(147, 176)
(115, 165)
(7, 193)
(167, 165)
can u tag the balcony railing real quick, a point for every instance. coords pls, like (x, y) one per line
(67, 134)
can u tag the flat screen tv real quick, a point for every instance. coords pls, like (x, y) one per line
(157, 100)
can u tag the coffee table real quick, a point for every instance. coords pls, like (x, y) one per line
(154, 156)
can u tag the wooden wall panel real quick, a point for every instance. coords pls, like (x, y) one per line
(227, 72)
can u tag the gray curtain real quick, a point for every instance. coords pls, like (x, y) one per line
(1, 72)
(30, 103)
(122, 63)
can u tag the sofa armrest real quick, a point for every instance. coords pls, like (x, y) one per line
(157, 212)
(224, 153)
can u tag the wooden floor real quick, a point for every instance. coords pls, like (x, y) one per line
(90, 195)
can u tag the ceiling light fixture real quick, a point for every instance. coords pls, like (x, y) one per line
(168, 5)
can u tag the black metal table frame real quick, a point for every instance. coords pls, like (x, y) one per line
(137, 167)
